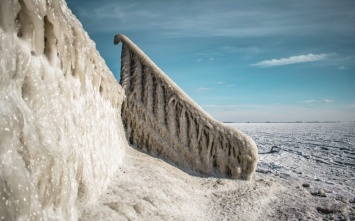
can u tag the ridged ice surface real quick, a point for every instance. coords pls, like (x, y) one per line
(61, 136)
(147, 188)
(162, 120)
(323, 153)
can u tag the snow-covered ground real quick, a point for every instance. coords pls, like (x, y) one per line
(286, 186)
(322, 153)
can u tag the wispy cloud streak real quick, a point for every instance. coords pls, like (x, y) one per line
(309, 101)
(327, 101)
(203, 89)
(211, 18)
(292, 60)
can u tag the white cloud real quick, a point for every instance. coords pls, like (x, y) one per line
(203, 89)
(342, 68)
(309, 101)
(292, 60)
(232, 19)
(202, 57)
(327, 101)
(221, 83)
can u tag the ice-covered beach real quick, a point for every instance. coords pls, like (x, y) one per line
(321, 152)
(290, 184)
(310, 177)
(69, 152)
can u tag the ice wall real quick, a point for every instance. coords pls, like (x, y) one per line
(162, 120)
(61, 136)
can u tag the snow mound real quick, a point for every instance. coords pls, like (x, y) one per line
(61, 136)
(162, 120)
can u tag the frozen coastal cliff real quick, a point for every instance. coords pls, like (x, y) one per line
(162, 120)
(61, 134)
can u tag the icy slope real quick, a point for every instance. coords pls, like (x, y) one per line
(148, 188)
(61, 137)
(162, 120)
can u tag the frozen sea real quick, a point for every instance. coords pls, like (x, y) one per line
(319, 153)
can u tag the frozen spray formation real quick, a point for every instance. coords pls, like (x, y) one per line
(61, 133)
(163, 121)
(61, 136)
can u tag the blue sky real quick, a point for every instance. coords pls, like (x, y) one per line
(241, 61)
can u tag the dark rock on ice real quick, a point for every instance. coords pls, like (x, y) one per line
(330, 208)
(306, 185)
(263, 171)
(275, 149)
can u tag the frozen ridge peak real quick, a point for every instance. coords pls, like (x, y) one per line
(164, 121)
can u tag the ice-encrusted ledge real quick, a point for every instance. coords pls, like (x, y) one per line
(162, 120)
(61, 134)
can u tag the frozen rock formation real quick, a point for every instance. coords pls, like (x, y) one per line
(163, 121)
(61, 136)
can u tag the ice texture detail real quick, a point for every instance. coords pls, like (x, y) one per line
(61, 136)
(162, 120)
